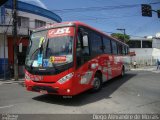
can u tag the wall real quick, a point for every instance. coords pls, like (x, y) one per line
(145, 56)
(142, 51)
(22, 30)
(3, 62)
(156, 43)
(2, 47)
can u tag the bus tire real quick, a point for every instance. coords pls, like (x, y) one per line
(97, 85)
(123, 71)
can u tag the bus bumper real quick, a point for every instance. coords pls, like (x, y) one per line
(46, 88)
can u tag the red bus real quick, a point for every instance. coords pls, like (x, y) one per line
(71, 57)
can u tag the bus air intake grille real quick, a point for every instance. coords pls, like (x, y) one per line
(44, 82)
(47, 88)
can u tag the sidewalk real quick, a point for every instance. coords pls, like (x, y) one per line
(10, 81)
(145, 68)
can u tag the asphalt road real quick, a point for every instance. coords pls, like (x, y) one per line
(137, 92)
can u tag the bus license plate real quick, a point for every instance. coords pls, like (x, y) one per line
(43, 91)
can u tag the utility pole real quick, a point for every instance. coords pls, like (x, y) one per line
(15, 39)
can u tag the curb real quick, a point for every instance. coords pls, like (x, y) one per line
(153, 68)
(143, 69)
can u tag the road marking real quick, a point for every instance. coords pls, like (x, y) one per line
(8, 106)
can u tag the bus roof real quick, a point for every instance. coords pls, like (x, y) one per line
(75, 23)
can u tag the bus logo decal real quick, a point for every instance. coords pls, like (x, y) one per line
(67, 31)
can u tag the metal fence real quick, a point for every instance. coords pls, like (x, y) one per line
(144, 60)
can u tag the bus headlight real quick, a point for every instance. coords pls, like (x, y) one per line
(65, 78)
(27, 77)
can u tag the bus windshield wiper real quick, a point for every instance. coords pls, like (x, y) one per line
(39, 48)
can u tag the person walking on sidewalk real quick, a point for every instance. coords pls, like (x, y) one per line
(134, 64)
(158, 63)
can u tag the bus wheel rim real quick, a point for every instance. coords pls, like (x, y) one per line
(97, 83)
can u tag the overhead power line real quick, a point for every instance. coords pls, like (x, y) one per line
(87, 9)
(103, 18)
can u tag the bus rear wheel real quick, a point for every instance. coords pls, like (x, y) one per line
(123, 71)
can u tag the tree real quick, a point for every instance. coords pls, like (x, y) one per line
(121, 37)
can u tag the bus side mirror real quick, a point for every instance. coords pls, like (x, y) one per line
(20, 47)
(85, 40)
(84, 37)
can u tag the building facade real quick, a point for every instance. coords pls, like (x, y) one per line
(29, 17)
(147, 50)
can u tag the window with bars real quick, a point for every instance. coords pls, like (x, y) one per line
(23, 22)
(39, 23)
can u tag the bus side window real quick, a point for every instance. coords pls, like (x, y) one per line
(78, 50)
(123, 50)
(114, 47)
(96, 44)
(127, 50)
(82, 49)
(120, 51)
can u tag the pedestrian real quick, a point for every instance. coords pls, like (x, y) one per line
(135, 64)
(158, 63)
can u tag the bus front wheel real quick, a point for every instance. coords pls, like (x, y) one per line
(97, 85)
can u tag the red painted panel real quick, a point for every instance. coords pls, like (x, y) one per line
(24, 41)
(10, 51)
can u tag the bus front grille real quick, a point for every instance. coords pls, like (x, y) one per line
(47, 88)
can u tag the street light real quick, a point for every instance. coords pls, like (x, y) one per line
(124, 33)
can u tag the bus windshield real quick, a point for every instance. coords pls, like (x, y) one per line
(50, 47)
